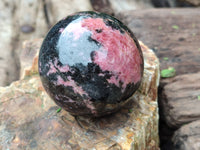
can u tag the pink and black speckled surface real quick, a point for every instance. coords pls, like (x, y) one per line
(90, 63)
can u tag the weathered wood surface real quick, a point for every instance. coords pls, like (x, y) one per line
(171, 33)
(29, 118)
(180, 103)
(187, 137)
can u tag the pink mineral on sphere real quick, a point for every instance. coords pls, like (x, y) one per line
(119, 54)
(54, 67)
(71, 83)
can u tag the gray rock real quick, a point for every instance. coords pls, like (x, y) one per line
(187, 137)
(164, 3)
(8, 65)
(102, 6)
(58, 9)
(28, 57)
(195, 3)
(30, 21)
(175, 3)
(180, 103)
(171, 33)
(115, 6)
(120, 6)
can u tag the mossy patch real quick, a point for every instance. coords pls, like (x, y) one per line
(167, 73)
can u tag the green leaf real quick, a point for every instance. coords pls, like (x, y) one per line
(42, 105)
(173, 12)
(159, 28)
(198, 97)
(193, 34)
(130, 110)
(167, 73)
(58, 110)
(175, 27)
(165, 58)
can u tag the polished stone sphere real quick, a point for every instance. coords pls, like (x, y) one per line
(90, 63)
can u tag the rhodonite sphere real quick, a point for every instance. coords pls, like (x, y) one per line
(90, 63)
